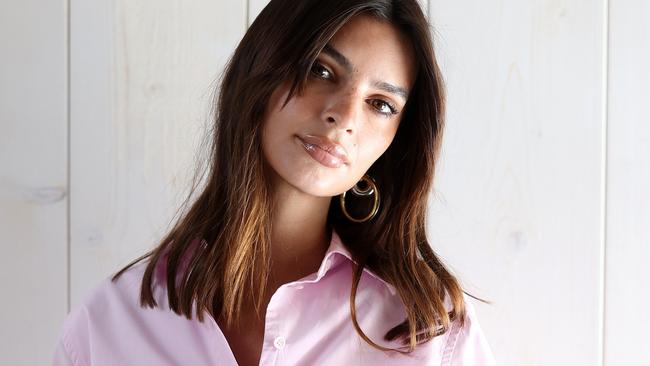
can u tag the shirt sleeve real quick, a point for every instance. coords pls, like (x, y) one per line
(72, 348)
(61, 357)
(467, 345)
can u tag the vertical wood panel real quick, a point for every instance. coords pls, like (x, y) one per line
(141, 82)
(627, 341)
(517, 207)
(33, 179)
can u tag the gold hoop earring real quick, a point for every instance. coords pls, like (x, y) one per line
(371, 188)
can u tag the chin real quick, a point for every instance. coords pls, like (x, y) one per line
(307, 176)
(317, 187)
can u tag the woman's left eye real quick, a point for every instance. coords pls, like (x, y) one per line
(385, 108)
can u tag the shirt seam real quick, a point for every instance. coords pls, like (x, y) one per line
(67, 346)
(450, 344)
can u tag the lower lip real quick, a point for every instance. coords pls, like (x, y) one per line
(321, 155)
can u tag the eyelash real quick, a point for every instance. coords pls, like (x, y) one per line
(393, 109)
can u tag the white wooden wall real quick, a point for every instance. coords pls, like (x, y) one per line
(541, 204)
(626, 256)
(521, 188)
(33, 179)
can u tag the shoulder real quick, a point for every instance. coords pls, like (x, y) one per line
(110, 318)
(99, 310)
(110, 297)
(467, 344)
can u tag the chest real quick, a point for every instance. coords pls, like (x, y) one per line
(245, 343)
(311, 324)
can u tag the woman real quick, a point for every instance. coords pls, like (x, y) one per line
(307, 243)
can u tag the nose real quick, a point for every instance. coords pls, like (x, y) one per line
(343, 111)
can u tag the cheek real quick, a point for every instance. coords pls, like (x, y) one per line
(373, 145)
(269, 132)
(279, 123)
(379, 138)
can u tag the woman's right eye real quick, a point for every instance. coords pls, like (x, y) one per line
(318, 69)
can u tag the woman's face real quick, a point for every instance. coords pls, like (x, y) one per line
(324, 140)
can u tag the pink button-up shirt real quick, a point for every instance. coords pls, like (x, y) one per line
(307, 323)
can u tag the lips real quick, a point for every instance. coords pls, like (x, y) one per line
(324, 150)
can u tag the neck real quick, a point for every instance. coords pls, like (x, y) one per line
(299, 236)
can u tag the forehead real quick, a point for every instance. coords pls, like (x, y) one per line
(376, 49)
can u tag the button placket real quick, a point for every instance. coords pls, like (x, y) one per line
(274, 328)
(279, 342)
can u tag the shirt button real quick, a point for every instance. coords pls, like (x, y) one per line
(279, 342)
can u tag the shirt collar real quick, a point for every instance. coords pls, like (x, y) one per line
(330, 260)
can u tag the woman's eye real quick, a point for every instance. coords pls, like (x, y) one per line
(381, 106)
(319, 70)
(384, 107)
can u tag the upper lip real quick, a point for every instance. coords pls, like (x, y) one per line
(328, 145)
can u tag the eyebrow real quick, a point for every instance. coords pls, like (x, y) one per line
(347, 65)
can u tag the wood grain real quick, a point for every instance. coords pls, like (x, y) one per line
(517, 208)
(627, 316)
(33, 179)
(141, 87)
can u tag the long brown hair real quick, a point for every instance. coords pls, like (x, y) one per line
(231, 214)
